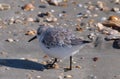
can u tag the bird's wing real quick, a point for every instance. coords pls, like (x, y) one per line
(78, 41)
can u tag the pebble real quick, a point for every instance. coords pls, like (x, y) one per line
(115, 9)
(29, 19)
(3, 53)
(92, 36)
(79, 67)
(11, 20)
(116, 1)
(38, 77)
(92, 77)
(103, 18)
(78, 28)
(51, 19)
(100, 4)
(95, 59)
(10, 40)
(80, 5)
(55, 2)
(52, 10)
(4, 6)
(7, 68)
(60, 77)
(68, 76)
(29, 76)
(31, 32)
(99, 26)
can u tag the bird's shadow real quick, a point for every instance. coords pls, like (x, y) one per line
(22, 64)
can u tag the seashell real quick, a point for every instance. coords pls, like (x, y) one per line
(30, 32)
(113, 18)
(4, 6)
(29, 7)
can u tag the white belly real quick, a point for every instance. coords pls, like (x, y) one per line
(61, 52)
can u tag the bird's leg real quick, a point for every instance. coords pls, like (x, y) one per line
(70, 62)
(54, 61)
(51, 65)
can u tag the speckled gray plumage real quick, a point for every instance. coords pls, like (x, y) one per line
(59, 36)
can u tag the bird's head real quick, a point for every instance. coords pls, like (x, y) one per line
(40, 31)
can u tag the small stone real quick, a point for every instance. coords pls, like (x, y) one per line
(11, 20)
(29, 7)
(60, 77)
(103, 18)
(92, 36)
(7, 68)
(46, 56)
(79, 29)
(29, 19)
(80, 5)
(52, 10)
(31, 32)
(29, 76)
(10, 40)
(99, 26)
(3, 53)
(18, 21)
(116, 1)
(68, 76)
(115, 9)
(79, 67)
(100, 4)
(4, 6)
(51, 19)
(54, 2)
(92, 77)
(95, 59)
(38, 77)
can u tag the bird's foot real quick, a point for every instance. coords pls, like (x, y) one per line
(67, 69)
(49, 66)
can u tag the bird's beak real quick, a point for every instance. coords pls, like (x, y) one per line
(32, 39)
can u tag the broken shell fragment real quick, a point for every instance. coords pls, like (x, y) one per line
(68, 76)
(54, 2)
(29, 7)
(29, 19)
(99, 26)
(30, 32)
(113, 18)
(10, 40)
(4, 6)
